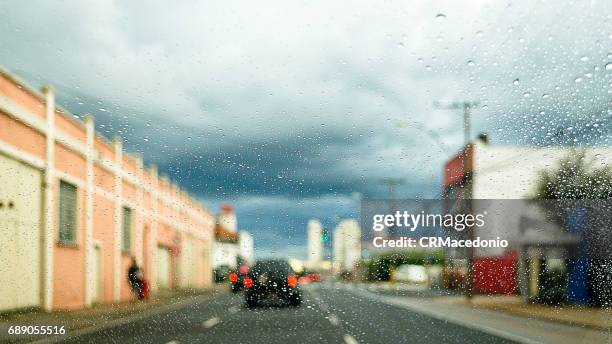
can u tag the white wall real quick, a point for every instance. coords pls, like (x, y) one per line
(228, 221)
(246, 246)
(315, 243)
(225, 254)
(347, 244)
(511, 172)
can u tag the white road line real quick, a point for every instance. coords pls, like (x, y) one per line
(211, 322)
(348, 339)
(173, 342)
(233, 309)
(334, 320)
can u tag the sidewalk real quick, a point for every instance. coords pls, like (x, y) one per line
(97, 315)
(596, 318)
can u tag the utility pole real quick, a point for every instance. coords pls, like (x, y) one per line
(466, 183)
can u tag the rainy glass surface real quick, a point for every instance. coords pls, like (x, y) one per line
(274, 172)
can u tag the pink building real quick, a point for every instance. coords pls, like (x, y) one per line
(74, 209)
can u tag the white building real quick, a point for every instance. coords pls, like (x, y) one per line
(245, 241)
(230, 245)
(499, 180)
(511, 172)
(226, 253)
(227, 218)
(315, 242)
(346, 245)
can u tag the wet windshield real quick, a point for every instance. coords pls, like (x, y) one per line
(306, 171)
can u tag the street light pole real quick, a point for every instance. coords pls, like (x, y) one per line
(466, 184)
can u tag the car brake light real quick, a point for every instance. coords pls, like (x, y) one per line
(292, 281)
(248, 282)
(233, 277)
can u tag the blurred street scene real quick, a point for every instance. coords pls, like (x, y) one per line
(306, 172)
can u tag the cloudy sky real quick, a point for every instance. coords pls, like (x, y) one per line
(291, 110)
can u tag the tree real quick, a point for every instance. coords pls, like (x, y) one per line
(575, 178)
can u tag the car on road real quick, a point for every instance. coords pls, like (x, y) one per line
(308, 277)
(271, 279)
(236, 278)
(221, 273)
(413, 274)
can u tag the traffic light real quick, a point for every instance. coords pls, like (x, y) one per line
(324, 235)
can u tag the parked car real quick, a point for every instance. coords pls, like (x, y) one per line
(271, 279)
(309, 277)
(414, 274)
(221, 273)
(236, 278)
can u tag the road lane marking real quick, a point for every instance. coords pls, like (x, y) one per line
(233, 309)
(211, 322)
(334, 320)
(348, 339)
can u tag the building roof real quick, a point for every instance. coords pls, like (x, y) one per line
(224, 235)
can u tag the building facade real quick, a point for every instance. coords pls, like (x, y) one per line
(346, 245)
(75, 208)
(498, 178)
(247, 250)
(232, 248)
(314, 233)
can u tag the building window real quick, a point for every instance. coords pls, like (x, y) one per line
(67, 212)
(127, 229)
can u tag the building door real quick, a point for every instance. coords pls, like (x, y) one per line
(20, 246)
(163, 267)
(96, 267)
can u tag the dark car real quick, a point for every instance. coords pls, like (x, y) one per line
(271, 279)
(221, 273)
(236, 278)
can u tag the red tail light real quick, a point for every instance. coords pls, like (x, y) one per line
(292, 281)
(248, 282)
(233, 277)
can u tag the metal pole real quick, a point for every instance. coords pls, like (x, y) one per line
(467, 197)
(466, 185)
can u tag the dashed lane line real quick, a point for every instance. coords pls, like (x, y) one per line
(348, 339)
(211, 322)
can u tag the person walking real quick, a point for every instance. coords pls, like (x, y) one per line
(135, 278)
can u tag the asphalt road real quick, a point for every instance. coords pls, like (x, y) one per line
(328, 315)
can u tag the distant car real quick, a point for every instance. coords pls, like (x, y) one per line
(271, 278)
(309, 277)
(236, 278)
(414, 274)
(221, 273)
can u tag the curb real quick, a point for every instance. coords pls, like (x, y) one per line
(544, 318)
